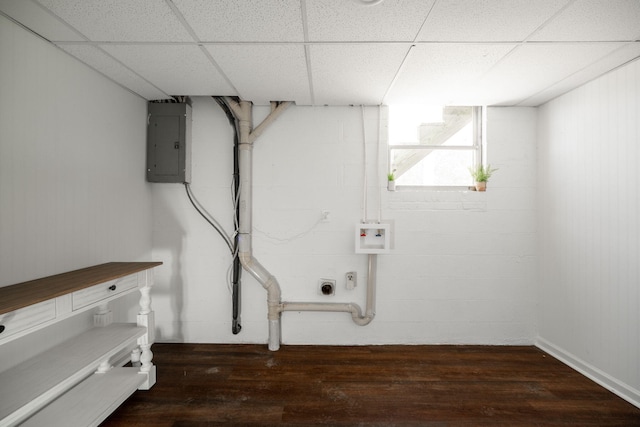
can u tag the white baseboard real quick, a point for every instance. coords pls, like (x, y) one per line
(612, 384)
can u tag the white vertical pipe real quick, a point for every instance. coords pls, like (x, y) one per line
(243, 112)
(372, 270)
(364, 167)
(378, 164)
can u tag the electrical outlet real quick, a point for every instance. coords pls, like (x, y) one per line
(351, 280)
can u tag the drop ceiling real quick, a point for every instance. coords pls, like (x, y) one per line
(340, 52)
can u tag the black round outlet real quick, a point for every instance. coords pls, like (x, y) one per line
(326, 289)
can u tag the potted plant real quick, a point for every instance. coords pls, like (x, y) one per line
(481, 175)
(391, 181)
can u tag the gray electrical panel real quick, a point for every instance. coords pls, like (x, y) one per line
(169, 142)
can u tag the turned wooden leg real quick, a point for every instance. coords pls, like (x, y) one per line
(135, 356)
(103, 316)
(146, 318)
(145, 358)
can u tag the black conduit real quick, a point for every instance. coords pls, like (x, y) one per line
(236, 271)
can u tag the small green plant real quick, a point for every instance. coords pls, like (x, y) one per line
(391, 176)
(481, 173)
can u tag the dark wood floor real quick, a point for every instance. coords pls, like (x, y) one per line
(211, 385)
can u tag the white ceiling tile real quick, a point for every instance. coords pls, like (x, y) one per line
(354, 74)
(487, 20)
(595, 20)
(347, 20)
(99, 60)
(354, 50)
(265, 73)
(243, 20)
(622, 55)
(32, 16)
(532, 68)
(175, 69)
(117, 20)
(445, 73)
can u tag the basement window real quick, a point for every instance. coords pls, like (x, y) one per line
(434, 146)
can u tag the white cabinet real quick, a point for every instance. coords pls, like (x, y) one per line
(75, 382)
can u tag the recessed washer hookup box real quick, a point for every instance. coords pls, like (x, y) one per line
(373, 238)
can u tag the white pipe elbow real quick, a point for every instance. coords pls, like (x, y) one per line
(358, 318)
(266, 280)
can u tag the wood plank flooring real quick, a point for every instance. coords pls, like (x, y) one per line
(213, 385)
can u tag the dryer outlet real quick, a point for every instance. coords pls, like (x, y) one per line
(327, 287)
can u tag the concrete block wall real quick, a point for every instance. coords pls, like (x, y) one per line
(462, 271)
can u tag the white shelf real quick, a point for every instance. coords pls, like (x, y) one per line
(91, 401)
(74, 383)
(37, 381)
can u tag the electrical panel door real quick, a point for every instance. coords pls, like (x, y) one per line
(168, 142)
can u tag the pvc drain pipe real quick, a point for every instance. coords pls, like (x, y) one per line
(243, 112)
(354, 309)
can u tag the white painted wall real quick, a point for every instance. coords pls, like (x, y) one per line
(72, 155)
(589, 229)
(72, 194)
(462, 271)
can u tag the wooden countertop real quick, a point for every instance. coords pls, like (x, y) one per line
(32, 292)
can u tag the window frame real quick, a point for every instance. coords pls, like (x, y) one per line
(477, 148)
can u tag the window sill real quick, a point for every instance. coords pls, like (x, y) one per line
(436, 188)
(421, 198)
